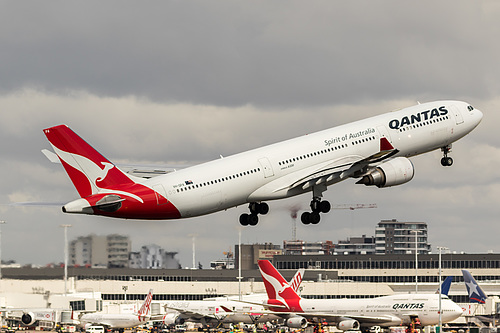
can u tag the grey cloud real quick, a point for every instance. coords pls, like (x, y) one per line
(252, 52)
(186, 81)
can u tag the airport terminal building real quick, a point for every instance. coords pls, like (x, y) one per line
(326, 276)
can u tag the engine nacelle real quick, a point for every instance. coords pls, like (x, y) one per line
(349, 324)
(173, 319)
(394, 172)
(28, 318)
(296, 322)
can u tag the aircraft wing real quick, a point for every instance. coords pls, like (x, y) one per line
(330, 317)
(329, 172)
(137, 170)
(346, 167)
(195, 314)
(337, 318)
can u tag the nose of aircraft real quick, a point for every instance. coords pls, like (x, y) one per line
(478, 116)
(454, 312)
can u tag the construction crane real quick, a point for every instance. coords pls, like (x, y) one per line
(295, 209)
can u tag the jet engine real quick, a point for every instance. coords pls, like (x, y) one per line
(173, 319)
(28, 318)
(349, 324)
(296, 322)
(394, 172)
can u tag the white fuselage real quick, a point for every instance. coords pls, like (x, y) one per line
(113, 320)
(270, 172)
(399, 309)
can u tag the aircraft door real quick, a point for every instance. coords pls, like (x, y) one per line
(266, 167)
(382, 130)
(458, 115)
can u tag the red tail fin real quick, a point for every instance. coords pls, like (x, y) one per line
(276, 285)
(88, 169)
(297, 279)
(146, 306)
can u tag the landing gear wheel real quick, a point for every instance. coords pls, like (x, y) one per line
(305, 217)
(446, 161)
(310, 218)
(244, 219)
(263, 208)
(253, 219)
(249, 219)
(314, 218)
(325, 206)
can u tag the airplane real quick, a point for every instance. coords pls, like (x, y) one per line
(375, 150)
(119, 321)
(476, 294)
(223, 310)
(353, 314)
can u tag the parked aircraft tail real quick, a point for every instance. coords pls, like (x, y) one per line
(445, 286)
(297, 279)
(476, 294)
(145, 309)
(281, 296)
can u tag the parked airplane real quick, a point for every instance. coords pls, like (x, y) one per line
(375, 150)
(476, 294)
(351, 314)
(224, 309)
(120, 321)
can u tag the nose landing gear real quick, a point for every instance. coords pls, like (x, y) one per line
(446, 161)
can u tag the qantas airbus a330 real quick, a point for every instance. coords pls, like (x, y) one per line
(375, 150)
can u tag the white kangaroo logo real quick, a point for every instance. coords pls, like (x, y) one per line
(92, 171)
(279, 288)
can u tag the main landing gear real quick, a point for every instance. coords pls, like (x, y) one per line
(446, 161)
(255, 209)
(317, 207)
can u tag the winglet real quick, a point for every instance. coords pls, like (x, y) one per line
(476, 294)
(385, 145)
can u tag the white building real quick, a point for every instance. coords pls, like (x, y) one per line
(153, 257)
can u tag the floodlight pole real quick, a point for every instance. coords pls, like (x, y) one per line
(1, 222)
(65, 226)
(239, 264)
(440, 325)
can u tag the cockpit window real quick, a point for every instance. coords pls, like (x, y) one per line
(470, 107)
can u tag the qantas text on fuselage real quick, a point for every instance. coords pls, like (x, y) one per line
(374, 150)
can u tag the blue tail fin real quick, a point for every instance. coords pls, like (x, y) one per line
(476, 294)
(445, 286)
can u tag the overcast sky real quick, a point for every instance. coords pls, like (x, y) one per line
(166, 82)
